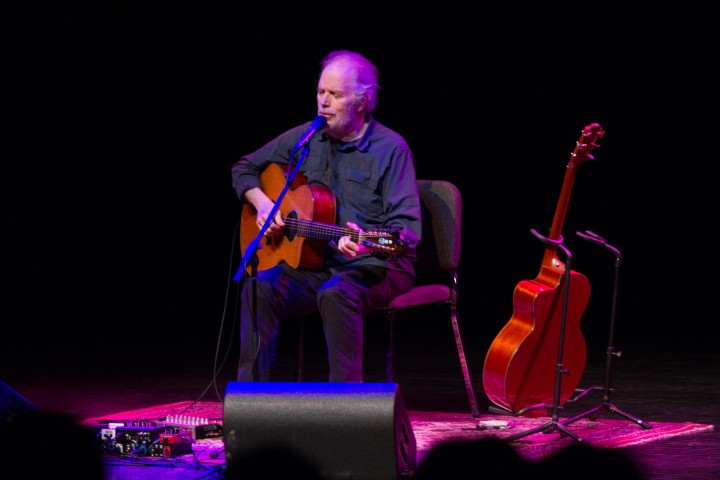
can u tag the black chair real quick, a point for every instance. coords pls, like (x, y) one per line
(437, 270)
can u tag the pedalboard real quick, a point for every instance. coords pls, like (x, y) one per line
(167, 437)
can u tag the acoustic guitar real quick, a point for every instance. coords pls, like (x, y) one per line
(520, 367)
(309, 215)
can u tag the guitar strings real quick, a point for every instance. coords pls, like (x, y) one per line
(307, 228)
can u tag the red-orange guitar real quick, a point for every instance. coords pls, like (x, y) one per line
(520, 366)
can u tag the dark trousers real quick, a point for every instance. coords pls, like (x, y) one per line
(342, 295)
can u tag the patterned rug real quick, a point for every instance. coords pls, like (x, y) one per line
(431, 428)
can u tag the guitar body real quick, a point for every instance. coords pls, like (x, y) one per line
(306, 202)
(521, 367)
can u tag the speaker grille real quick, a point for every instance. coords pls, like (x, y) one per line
(347, 430)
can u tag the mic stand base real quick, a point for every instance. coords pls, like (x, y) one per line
(549, 427)
(593, 413)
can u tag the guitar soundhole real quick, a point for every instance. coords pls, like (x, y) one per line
(290, 227)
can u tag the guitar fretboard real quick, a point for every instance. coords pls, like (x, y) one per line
(310, 229)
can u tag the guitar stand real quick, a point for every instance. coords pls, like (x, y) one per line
(593, 413)
(554, 425)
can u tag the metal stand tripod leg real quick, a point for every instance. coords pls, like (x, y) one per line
(608, 389)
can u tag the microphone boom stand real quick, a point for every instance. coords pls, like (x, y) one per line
(595, 412)
(250, 258)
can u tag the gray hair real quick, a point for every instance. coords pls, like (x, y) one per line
(365, 73)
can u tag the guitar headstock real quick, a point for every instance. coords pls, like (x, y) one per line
(385, 242)
(588, 140)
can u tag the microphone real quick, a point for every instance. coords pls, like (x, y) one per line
(317, 125)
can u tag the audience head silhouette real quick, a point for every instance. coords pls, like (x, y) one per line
(488, 457)
(589, 463)
(272, 463)
(50, 445)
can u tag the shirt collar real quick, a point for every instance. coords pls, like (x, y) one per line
(363, 143)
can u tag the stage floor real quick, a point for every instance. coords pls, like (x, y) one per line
(676, 391)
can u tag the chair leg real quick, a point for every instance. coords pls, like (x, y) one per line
(463, 362)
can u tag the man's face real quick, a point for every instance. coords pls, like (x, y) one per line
(337, 101)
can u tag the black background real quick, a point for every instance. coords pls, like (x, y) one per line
(122, 123)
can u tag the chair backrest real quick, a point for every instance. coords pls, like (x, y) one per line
(439, 250)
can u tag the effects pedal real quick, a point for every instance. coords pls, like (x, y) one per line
(199, 428)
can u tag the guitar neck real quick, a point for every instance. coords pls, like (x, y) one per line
(311, 229)
(549, 258)
(583, 147)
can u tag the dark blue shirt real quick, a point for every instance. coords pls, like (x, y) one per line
(373, 180)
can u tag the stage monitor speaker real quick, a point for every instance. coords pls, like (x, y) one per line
(13, 406)
(345, 430)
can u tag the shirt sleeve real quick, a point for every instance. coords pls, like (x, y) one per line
(247, 169)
